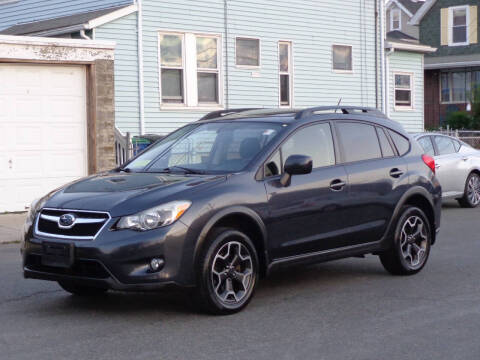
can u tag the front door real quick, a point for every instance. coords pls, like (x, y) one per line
(309, 214)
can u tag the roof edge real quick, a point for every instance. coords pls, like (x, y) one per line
(60, 42)
(114, 15)
(403, 8)
(415, 20)
(425, 49)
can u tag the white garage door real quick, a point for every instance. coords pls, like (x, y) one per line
(43, 141)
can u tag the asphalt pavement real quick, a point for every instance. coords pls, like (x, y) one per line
(347, 309)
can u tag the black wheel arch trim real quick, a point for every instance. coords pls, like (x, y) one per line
(414, 191)
(235, 210)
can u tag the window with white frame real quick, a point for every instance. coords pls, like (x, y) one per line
(285, 71)
(342, 58)
(247, 52)
(458, 21)
(395, 19)
(403, 91)
(207, 70)
(190, 69)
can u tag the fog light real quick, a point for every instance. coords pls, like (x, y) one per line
(156, 264)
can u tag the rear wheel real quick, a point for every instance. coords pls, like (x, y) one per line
(471, 195)
(81, 290)
(411, 244)
(227, 272)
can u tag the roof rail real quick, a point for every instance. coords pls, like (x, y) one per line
(222, 113)
(344, 109)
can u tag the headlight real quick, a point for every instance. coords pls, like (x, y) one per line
(158, 216)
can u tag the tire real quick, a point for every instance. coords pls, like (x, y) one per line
(81, 290)
(411, 243)
(471, 194)
(227, 272)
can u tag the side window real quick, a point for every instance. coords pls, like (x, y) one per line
(401, 143)
(427, 145)
(444, 145)
(457, 145)
(314, 141)
(387, 150)
(273, 166)
(360, 141)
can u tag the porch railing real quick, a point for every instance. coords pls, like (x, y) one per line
(123, 147)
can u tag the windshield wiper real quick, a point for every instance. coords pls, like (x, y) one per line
(185, 169)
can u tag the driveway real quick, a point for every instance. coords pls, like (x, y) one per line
(348, 309)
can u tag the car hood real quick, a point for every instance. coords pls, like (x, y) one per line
(127, 193)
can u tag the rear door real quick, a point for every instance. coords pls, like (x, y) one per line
(451, 170)
(309, 214)
(377, 178)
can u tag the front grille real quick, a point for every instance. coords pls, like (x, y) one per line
(83, 268)
(86, 226)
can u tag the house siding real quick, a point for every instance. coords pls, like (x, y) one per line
(311, 26)
(35, 10)
(407, 62)
(124, 32)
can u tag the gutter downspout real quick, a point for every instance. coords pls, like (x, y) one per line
(376, 54)
(382, 56)
(83, 35)
(141, 85)
(225, 24)
(387, 80)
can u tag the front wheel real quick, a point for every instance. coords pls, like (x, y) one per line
(471, 195)
(411, 244)
(227, 272)
(81, 290)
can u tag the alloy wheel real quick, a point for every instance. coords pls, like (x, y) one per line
(232, 273)
(414, 241)
(473, 190)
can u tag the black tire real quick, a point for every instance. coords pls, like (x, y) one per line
(400, 259)
(469, 201)
(224, 242)
(81, 290)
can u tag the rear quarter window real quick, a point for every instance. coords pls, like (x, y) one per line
(401, 143)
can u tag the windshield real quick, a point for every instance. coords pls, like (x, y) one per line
(207, 148)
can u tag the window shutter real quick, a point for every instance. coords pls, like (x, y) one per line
(444, 27)
(473, 24)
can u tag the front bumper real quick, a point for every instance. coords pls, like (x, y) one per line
(115, 259)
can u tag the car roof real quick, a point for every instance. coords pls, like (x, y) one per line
(302, 116)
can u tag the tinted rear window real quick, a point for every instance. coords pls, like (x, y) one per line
(387, 150)
(401, 143)
(359, 141)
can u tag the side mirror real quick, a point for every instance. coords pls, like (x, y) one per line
(296, 165)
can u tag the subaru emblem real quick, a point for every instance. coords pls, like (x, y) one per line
(66, 221)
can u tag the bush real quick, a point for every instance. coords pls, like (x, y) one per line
(476, 108)
(459, 120)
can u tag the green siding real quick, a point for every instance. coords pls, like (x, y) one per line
(430, 30)
(124, 32)
(407, 62)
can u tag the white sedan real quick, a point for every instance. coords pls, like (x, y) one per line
(457, 167)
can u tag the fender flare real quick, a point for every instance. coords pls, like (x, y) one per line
(417, 190)
(235, 210)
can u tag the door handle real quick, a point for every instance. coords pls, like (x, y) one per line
(465, 158)
(396, 173)
(337, 185)
(437, 166)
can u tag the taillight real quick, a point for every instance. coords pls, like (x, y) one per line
(429, 161)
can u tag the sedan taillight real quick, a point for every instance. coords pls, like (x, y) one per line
(429, 161)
